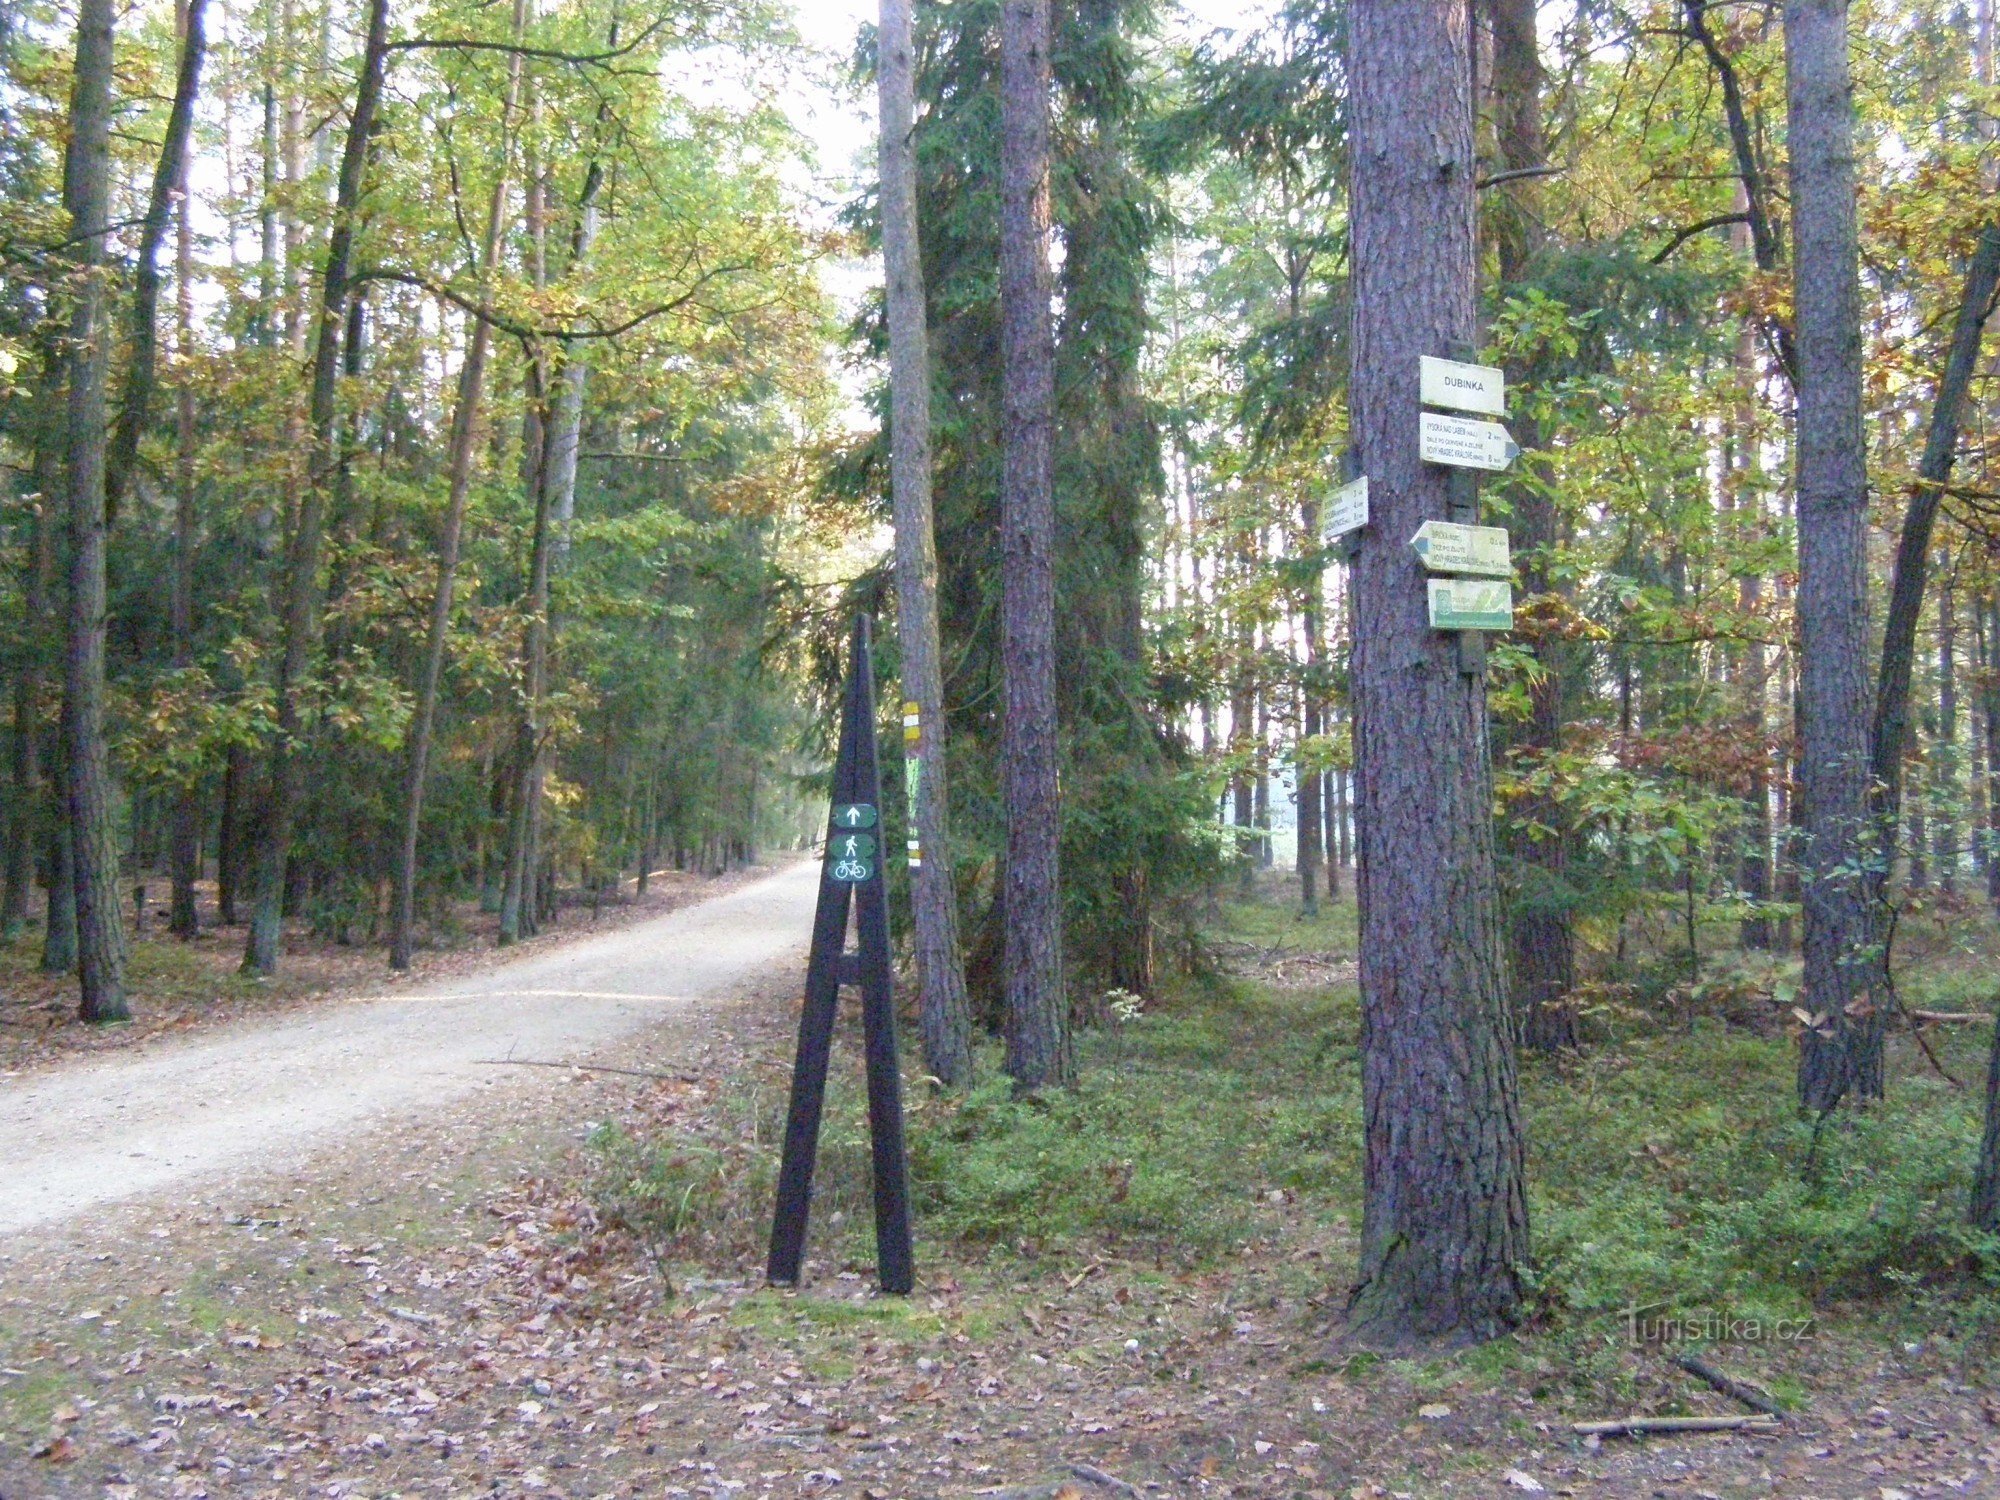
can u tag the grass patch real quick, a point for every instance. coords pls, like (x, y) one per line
(1668, 1166)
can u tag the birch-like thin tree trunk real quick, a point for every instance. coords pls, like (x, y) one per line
(1039, 1051)
(464, 431)
(944, 1014)
(520, 901)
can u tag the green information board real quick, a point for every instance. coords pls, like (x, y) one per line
(1471, 604)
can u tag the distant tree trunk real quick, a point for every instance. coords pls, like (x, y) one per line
(1976, 767)
(1444, 1238)
(184, 841)
(521, 903)
(943, 1010)
(1541, 942)
(1261, 786)
(1841, 1053)
(59, 935)
(1986, 1174)
(169, 186)
(302, 601)
(24, 768)
(1917, 843)
(1945, 831)
(464, 432)
(93, 834)
(1913, 551)
(1754, 678)
(1242, 715)
(1989, 697)
(1039, 1051)
(232, 835)
(29, 828)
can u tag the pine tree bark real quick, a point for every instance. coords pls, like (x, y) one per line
(93, 834)
(464, 430)
(1444, 1237)
(184, 839)
(1841, 1053)
(303, 585)
(944, 1013)
(1039, 1051)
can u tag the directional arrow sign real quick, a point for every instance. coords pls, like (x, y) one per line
(1463, 443)
(1462, 387)
(1347, 510)
(1471, 604)
(854, 815)
(1447, 547)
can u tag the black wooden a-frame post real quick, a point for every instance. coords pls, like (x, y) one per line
(850, 874)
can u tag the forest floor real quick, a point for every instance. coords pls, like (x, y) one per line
(550, 1288)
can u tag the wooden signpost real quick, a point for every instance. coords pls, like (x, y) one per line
(850, 878)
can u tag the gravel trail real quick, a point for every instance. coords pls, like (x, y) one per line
(264, 1095)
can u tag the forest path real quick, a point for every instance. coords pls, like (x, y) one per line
(262, 1096)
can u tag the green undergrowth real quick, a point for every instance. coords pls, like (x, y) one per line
(1669, 1169)
(1674, 1173)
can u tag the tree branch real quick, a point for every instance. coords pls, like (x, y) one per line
(1682, 236)
(516, 49)
(515, 328)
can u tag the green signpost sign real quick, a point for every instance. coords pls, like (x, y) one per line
(1471, 604)
(851, 856)
(853, 815)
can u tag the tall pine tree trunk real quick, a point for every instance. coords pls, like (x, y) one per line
(1841, 1052)
(943, 1011)
(303, 587)
(93, 836)
(184, 839)
(1444, 1238)
(1039, 1051)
